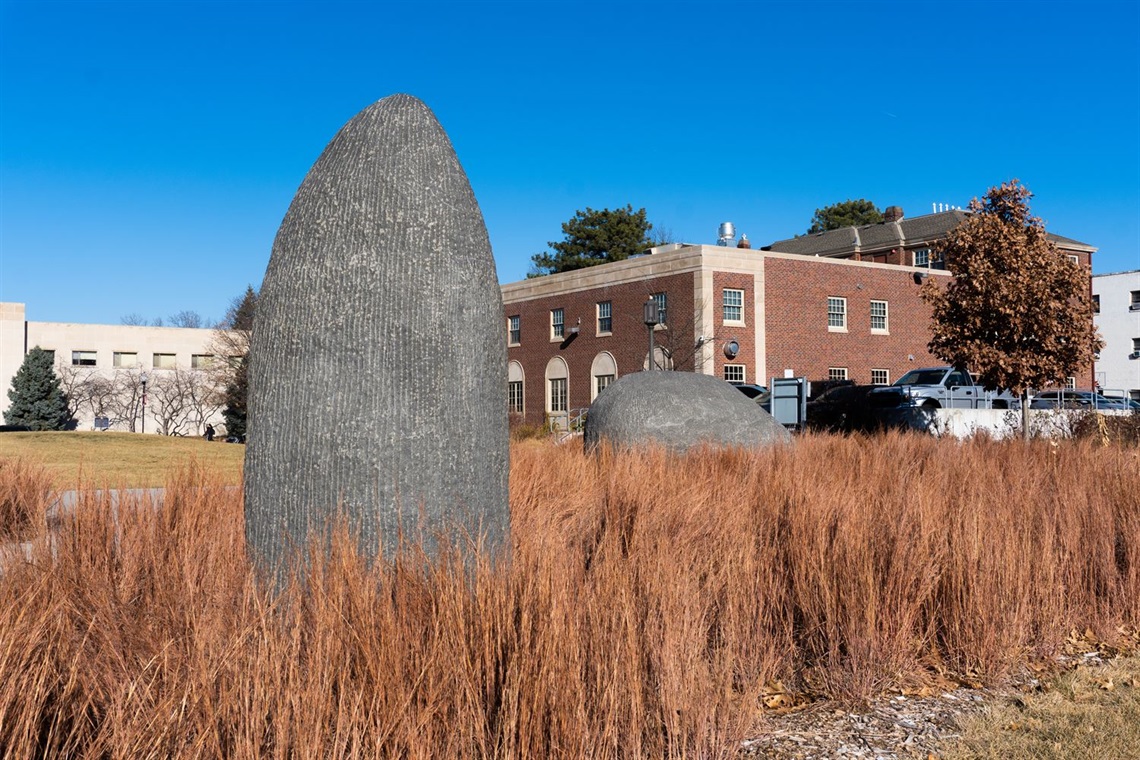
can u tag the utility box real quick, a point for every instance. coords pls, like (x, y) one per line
(789, 400)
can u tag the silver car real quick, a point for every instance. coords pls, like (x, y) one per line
(1073, 399)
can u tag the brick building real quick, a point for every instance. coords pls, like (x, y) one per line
(840, 305)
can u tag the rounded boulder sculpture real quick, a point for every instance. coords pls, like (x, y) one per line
(678, 410)
(377, 365)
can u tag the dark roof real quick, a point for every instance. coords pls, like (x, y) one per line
(912, 231)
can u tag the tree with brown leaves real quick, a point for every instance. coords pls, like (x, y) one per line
(1018, 313)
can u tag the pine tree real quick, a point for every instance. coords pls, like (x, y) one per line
(231, 343)
(38, 401)
(595, 237)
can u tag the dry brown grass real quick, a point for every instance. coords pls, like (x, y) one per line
(648, 602)
(120, 459)
(1084, 714)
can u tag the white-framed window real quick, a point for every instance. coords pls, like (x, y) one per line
(878, 316)
(836, 313)
(83, 358)
(662, 300)
(733, 303)
(124, 359)
(201, 361)
(167, 361)
(515, 396)
(836, 373)
(1072, 258)
(734, 373)
(880, 377)
(605, 317)
(604, 370)
(1071, 383)
(557, 324)
(558, 391)
(514, 330)
(924, 257)
(516, 401)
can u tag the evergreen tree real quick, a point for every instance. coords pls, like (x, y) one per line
(231, 345)
(236, 395)
(849, 213)
(595, 237)
(38, 401)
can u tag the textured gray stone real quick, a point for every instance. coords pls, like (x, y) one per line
(678, 410)
(377, 366)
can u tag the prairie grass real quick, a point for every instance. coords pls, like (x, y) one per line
(649, 604)
(126, 460)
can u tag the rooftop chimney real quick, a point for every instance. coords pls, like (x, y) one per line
(893, 214)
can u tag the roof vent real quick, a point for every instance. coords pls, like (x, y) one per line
(726, 234)
(893, 214)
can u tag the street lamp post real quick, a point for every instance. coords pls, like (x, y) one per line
(652, 318)
(142, 379)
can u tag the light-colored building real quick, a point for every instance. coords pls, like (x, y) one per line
(103, 368)
(1116, 303)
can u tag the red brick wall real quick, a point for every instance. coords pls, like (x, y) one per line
(797, 336)
(628, 341)
(745, 335)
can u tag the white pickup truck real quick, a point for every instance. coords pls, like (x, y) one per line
(939, 388)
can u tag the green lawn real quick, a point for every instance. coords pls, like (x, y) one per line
(121, 459)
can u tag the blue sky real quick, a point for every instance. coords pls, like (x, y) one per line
(149, 150)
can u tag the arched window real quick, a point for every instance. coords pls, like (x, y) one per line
(602, 372)
(516, 403)
(557, 387)
(662, 359)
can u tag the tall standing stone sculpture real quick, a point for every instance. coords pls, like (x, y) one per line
(377, 366)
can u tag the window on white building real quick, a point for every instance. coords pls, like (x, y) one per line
(836, 313)
(734, 373)
(733, 302)
(201, 361)
(880, 377)
(83, 358)
(167, 361)
(124, 359)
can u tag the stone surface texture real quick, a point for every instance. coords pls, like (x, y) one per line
(679, 410)
(378, 362)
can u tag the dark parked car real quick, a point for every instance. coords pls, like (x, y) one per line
(757, 393)
(843, 408)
